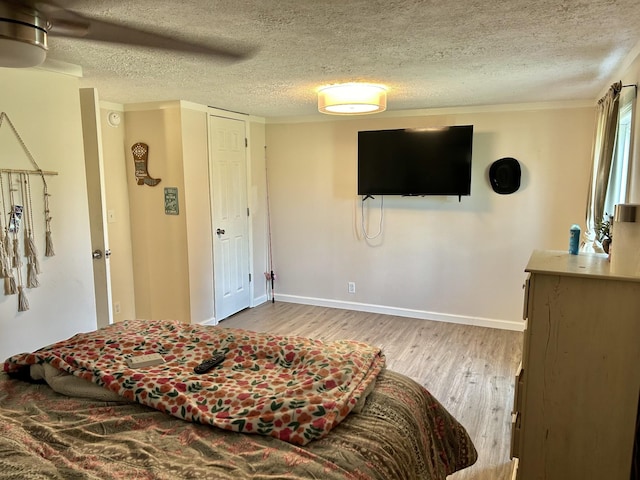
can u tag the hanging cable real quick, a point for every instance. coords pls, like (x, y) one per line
(364, 229)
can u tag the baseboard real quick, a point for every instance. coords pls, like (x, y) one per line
(260, 300)
(256, 301)
(404, 312)
(210, 321)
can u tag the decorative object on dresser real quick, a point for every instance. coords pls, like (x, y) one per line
(576, 396)
(603, 231)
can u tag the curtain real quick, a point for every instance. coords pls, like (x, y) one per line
(607, 113)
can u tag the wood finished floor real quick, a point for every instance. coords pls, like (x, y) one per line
(470, 370)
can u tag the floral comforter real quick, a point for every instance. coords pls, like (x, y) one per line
(292, 388)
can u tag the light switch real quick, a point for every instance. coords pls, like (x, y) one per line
(111, 216)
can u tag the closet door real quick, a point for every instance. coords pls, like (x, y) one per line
(230, 223)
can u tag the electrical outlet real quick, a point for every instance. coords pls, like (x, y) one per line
(352, 287)
(116, 308)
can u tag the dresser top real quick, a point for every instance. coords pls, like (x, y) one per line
(558, 262)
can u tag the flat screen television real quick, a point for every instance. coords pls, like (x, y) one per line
(415, 161)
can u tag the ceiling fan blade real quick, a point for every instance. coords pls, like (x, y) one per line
(65, 23)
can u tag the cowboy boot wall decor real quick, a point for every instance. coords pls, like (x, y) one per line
(140, 159)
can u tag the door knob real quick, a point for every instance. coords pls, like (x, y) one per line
(220, 231)
(97, 254)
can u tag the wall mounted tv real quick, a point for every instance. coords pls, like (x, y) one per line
(415, 161)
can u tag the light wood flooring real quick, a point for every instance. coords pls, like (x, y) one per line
(470, 370)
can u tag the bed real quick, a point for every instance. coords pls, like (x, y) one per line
(277, 407)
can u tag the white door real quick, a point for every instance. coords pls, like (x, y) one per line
(230, 215)
(94, 165)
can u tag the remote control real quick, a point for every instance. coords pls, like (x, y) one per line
(209, 363)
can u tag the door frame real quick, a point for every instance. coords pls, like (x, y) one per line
(215, 112)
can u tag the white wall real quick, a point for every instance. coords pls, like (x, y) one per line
(437, 258)
(45, 109)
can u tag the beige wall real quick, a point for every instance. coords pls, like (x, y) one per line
(116, 164)
(159, 240)
(437, 257)
(45, 109)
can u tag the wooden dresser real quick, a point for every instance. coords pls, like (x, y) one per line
(576, 396)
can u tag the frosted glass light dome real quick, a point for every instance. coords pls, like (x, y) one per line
(352, 99)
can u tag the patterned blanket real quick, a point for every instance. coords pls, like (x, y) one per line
(293, 388)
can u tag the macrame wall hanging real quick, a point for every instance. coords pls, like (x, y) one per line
(19, 264)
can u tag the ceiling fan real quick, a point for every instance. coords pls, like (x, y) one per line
(26, 25)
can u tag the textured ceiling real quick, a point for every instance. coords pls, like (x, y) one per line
(430, 53)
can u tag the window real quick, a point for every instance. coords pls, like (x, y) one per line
(619, 177)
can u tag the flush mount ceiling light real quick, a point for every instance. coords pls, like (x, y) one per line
(352, 99)
(23, 36)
